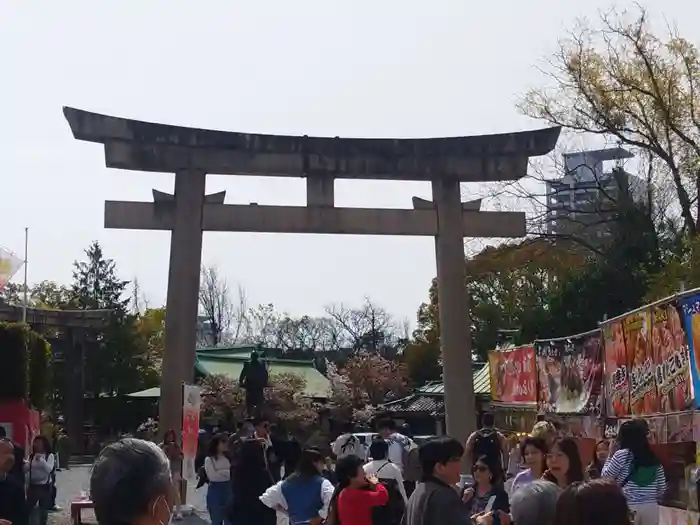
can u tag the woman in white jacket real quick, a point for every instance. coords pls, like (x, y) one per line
(304, 497)
(41, 469)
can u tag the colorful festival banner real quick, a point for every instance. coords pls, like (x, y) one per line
(671, 360)
(513, 375)
(690, 310)
(570, 373)
(191, 401)
(616, 370)
(9, 265)
(641, 362)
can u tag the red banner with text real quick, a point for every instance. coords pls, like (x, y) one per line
(616, 377)
(513, 375)
(641, 362)
(670, 350)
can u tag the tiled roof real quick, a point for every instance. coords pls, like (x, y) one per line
(434, 405)
(482, 383)
(430, 397)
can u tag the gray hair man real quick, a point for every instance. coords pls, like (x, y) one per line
(534, 504)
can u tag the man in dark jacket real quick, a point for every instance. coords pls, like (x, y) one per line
(435, 500)
(13, 504)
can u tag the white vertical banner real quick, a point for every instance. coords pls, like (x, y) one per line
(9, 265)
(191, 401)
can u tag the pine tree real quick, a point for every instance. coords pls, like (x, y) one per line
(121, 364)
(96, 285)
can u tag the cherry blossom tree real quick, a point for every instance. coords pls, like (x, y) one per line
(223, 402)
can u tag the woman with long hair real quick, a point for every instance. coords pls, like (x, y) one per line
(637, 470)
(303, 497)
(174, 454)
(218, 469)
(534, 452)
(600, 455)
(596, 502)
(564, 465)
(40, 479)
(488, 483)
(355, 495)
(251, 478)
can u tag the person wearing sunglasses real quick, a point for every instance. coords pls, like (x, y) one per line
(487, 493)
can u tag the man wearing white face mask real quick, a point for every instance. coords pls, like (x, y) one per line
(131, 484)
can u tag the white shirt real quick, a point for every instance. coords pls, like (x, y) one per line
(218, 469)
(40, 469)
(397, 444)
(384, 469)
(348, 445)
(274, 499)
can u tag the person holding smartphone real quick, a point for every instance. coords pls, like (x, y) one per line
(356, 494)
(487, 493)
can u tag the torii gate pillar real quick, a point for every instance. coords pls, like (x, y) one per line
(192, 153)
(182, 302)
(455, 333)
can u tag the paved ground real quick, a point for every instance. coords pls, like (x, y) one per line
(71, 482)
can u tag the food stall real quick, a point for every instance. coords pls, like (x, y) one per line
(642, 364)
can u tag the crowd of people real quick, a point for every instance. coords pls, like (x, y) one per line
(27, 482)
(251, 478)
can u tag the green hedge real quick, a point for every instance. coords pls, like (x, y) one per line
(26, 359)
(39, 371)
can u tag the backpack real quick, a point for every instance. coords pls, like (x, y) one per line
(487, 444)
(641, 476)
(412, 470)
(392, 511)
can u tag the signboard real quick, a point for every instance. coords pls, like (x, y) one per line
(570, 373)
(191, 401)
(690, 311)
(671, 360)
(616, 375)
(513, 375)
(642, 381)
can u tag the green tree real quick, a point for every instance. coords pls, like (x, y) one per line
(96, 285)
(423, 363)
(122, 364)
(618, 80)
(508, 288)
(151, 327)
(51, 295)
(610, 284)
(11, 293)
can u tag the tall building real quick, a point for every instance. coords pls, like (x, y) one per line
(583, 203)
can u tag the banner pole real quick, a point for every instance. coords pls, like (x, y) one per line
(26, 250)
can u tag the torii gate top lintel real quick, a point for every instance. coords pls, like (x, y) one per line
(146, 146)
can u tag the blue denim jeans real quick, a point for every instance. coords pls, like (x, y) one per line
(218, 496)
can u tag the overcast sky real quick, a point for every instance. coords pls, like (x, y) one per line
(357, 68)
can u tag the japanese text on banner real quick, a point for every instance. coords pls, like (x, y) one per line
(513, 375)
(642, 382)
(672, 373)
(616, 376)
(191, 401)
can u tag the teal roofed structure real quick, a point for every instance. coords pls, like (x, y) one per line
(229, 361)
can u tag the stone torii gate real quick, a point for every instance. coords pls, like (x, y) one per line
(191, 153)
